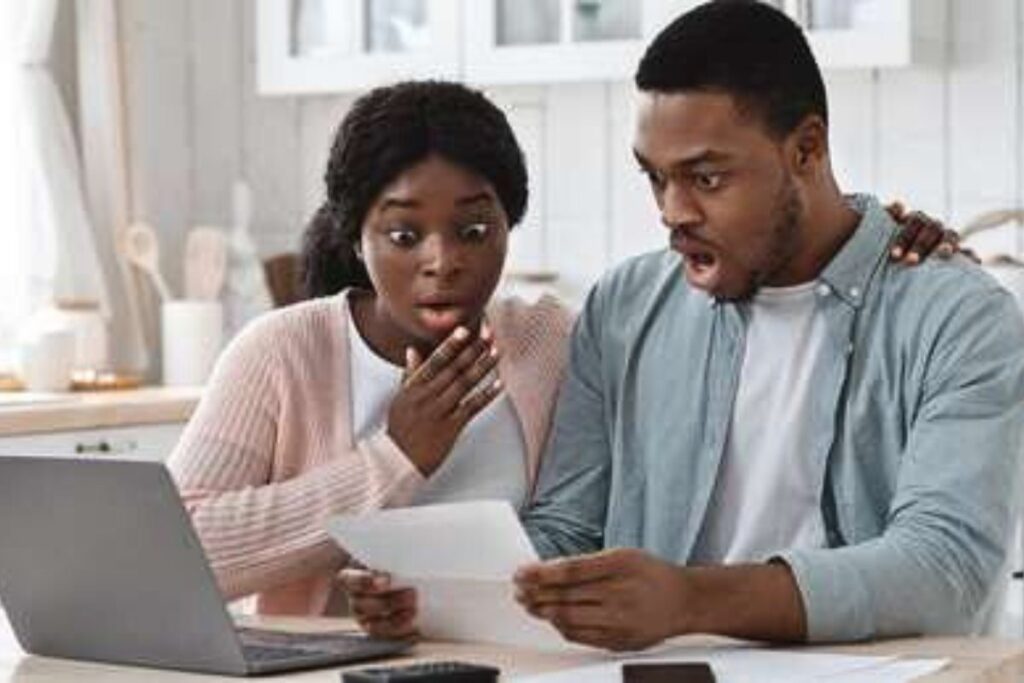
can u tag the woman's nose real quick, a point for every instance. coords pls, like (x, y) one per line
(442, 258)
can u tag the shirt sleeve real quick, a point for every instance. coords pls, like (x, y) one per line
(567, 515)
(261, 524)
(934, 568)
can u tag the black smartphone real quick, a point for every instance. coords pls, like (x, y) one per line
(681, 672)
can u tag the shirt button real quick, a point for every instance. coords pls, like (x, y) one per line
(854, 292)
(824, 290)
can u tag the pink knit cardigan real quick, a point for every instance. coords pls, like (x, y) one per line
(269, 454)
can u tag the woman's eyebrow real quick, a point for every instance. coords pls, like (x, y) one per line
(398, 203)
(480, 197)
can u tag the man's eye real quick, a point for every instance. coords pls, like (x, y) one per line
(403, 237)
(474, 232)
(707, 181)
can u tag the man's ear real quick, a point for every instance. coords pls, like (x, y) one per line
(809, 144)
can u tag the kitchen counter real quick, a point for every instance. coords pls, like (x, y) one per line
(970, 659)
(28, 413)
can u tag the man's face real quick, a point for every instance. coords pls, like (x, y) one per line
(724, 190)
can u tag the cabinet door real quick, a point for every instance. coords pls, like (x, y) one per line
(871, 33)
(540, 41)
(318, 46)
(148, 442)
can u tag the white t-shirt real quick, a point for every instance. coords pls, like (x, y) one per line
(767, 497)
(488, 460)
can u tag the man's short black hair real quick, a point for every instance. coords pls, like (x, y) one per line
(742, 48)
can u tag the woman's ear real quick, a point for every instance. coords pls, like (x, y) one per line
(357, 249)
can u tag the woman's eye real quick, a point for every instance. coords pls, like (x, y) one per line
(402, 237)
(707, 181)
(474, 232)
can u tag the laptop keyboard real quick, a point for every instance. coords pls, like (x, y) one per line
(265, 653)
(278, 650)
(271, 645)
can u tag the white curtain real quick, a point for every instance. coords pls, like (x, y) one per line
(107, 178)
(47, 244)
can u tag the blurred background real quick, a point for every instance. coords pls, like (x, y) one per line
(196, 113)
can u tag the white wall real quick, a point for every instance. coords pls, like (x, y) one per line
(946, 140)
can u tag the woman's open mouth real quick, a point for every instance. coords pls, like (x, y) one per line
(442, 316)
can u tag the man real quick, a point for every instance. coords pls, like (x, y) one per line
(828, 443)
(770, 431)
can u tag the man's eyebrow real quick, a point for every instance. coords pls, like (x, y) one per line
(700, 157)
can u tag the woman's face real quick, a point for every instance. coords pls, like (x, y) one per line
(434, 243)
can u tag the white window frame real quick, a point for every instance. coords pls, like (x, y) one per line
(279, 72)
(491, 64)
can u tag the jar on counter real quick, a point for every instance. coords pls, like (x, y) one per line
(86, 322)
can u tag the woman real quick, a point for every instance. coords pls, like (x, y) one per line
(403, 387)
(402, 382)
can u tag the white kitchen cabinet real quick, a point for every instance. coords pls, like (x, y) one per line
(146, 442)
(319, 46)
(546, 41)
(871, 33)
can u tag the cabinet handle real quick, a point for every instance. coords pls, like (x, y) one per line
(104, 447)
(97, 447)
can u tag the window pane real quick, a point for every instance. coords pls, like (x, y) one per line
(325, 28)
(397, 25)
(606, 20)
(845, 14)
(527, 22)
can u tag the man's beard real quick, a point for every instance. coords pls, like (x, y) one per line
(785, 240)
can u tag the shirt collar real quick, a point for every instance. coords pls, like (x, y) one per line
(849, 272)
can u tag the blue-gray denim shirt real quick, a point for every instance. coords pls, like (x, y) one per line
(920, 424)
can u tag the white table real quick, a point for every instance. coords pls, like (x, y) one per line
(981, 660)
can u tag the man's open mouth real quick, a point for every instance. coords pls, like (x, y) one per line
(700, 259)
(693, 251)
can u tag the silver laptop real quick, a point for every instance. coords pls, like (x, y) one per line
(99, 561)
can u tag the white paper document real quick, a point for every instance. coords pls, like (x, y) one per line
(757, 665)
(460, 558)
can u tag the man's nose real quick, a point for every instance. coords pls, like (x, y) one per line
(678, 208)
